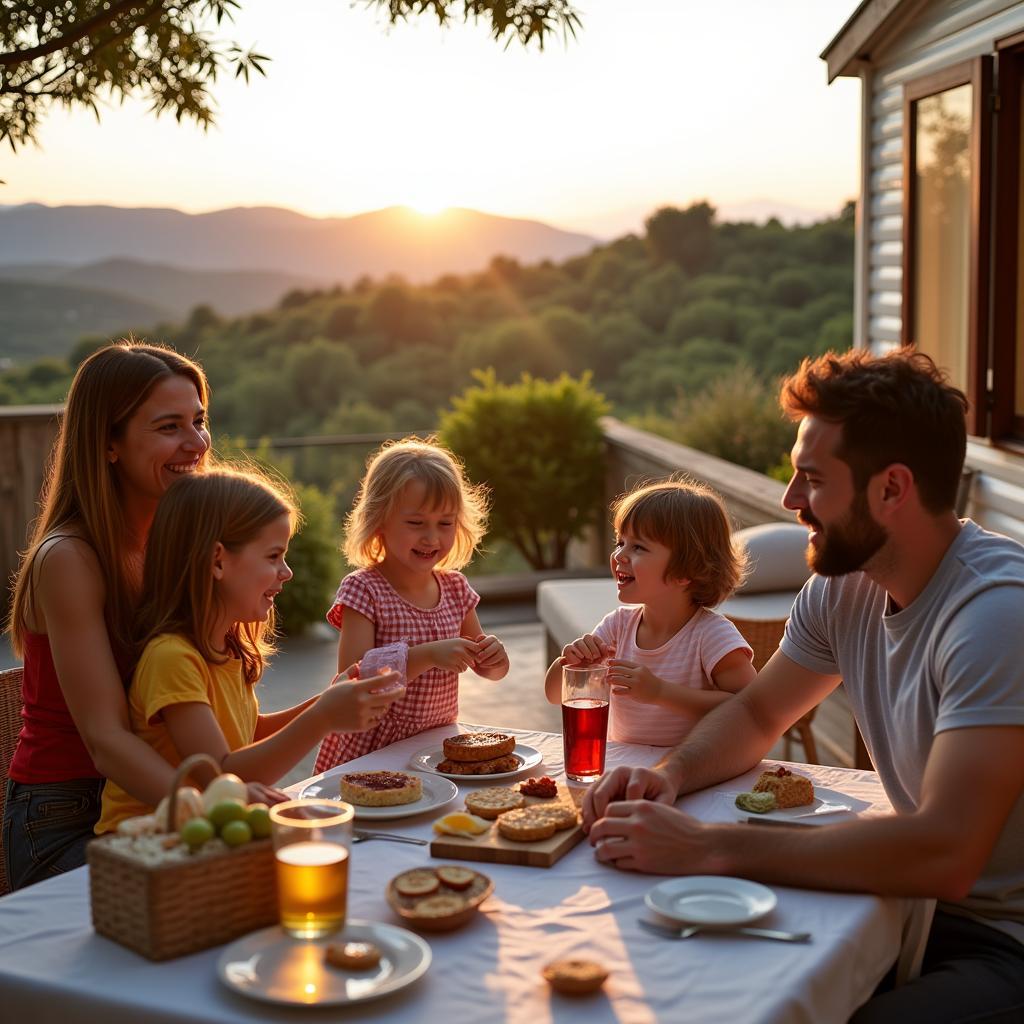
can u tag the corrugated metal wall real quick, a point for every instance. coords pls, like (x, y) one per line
(943, 33)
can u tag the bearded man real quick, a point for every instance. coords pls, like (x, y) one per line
(921, 614)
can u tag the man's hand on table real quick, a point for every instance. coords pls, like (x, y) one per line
(624, 783)
(641, 835)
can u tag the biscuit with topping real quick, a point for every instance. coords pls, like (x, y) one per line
(380, 788)
(478, 746)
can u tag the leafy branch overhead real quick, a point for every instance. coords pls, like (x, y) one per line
(76, 52)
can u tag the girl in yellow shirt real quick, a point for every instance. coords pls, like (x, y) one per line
(214, 564)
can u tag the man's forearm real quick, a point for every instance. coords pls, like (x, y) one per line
(897, 855)
(723, 744)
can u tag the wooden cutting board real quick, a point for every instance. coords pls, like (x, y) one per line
(494, 848)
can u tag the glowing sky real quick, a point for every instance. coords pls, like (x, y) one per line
(656, 101)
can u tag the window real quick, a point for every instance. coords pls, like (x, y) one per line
(1007, 348)
(942, 228)
(946, 188)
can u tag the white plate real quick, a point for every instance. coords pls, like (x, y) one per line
(274, 968)
(826, 801)
(710, 900)
(428, 760)
(436, 793)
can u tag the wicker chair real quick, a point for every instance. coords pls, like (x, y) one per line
(10, 726)
(760, 608)
(764, 637)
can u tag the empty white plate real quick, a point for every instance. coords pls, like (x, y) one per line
(437, 792)
(711, 900)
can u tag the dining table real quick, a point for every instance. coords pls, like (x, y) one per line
(55, 967)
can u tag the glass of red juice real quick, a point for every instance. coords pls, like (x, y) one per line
(584, 720)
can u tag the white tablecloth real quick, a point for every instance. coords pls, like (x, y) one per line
(53, 967)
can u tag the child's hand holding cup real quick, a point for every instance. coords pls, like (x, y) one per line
(587, 650)
(359, 704)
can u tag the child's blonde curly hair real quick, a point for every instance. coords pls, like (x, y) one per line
(389, 470)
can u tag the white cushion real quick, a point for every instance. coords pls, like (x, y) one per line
(777, 553)
(570, 608)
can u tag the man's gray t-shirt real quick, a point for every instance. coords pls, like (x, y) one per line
(952, 659)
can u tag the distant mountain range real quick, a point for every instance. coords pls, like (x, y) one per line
(395, 240)
(66, 271)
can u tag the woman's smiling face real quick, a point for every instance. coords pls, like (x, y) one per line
(165, 437)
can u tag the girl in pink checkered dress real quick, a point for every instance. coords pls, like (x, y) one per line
(416, 521)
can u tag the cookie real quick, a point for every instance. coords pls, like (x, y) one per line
(381, 788)
(353, 956)
(418, 882)
(456, 878)
(561, 816)
(522, 826)
(478, 746)
(489, 803)
(575, 977)
(508, 763)
(439, 906)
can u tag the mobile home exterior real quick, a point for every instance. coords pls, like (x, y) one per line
(940, 242)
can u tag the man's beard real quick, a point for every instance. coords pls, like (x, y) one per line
(848, 545)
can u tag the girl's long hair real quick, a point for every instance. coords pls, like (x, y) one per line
(226, 505)
(389, 470)
(80, 492)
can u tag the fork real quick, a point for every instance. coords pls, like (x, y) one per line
(757, 933)
(362, 836)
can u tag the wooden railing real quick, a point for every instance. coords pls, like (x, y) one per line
(26, 437)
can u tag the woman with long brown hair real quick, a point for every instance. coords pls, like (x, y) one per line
(134, 421)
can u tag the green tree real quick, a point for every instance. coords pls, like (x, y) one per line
(738, 419)
(76, 52)
(538, 446)
(685, 237)
(314, 558)
(321, 373)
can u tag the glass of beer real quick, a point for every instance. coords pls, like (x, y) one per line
(311, 848)
(584, 720)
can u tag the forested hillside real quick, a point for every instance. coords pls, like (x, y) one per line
(656, 320)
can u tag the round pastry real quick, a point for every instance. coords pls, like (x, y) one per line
(478, 746)
(418, 882)
(440, 906)
(575, 977)
(381, 788)
(497, 766)
(561, 816)
(522, 826)
(353, 956)
(489, 803)
(456, 878)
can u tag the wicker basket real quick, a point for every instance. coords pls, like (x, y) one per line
(164, 911)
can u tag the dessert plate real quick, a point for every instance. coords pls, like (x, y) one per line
(436, 793)
(275, 968)
(826, 802)
(711, 901)
(427, 761)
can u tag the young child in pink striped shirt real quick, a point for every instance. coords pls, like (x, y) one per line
(671, 659)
